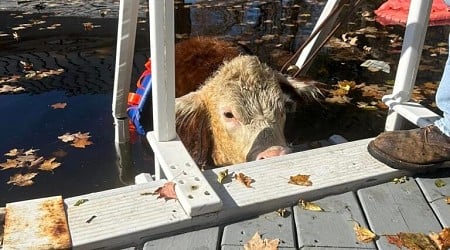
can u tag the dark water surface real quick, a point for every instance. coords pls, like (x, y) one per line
(270, 29)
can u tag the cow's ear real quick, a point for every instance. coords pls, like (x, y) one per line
(300, 90)
(193, 127)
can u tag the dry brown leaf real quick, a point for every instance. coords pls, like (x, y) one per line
(257, 243)
(22, 179)
(30, 151)
(167, 191)
(222, 175)
(67, 137)
(82, 135)
(412, 241)
(310, 206)
(363, 234)
(300, 179)
(59, 105)
(8, 88)
(10, 163)
(81, 143)
(14, 152)
(49, 165)
(246, 180)
(441, 239)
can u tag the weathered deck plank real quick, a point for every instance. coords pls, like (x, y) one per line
(200, 239)
(393, 208)
(269, 226)
(332, 228)
(436, 196)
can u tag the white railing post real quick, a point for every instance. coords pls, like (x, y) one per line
(126, 35)
(416, 27)
(193, 190)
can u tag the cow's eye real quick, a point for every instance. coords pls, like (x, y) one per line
(228, 115)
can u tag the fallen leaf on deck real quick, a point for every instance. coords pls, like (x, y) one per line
(59, 105)
(80, 201)
(246, 180)
(282, 212)
(222, 175)
(257, 243)
(310, 206)
(441, 239)
(400, 180)
(411, 241)
(363, 234)
(22, 179)
(49, 165)
(447, 199)
(439, 183)
(167, 191)
(300, 179)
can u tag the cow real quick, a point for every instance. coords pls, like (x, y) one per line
(230, 106)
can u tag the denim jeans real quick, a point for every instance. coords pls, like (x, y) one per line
(443, 99)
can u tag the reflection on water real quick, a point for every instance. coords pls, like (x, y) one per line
(270, 29)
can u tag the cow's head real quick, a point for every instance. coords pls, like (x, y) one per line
(238, 115)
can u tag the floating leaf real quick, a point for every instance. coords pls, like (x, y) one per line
(439, 183)
(14, 152)
(81, 143)
(80, 201)
(59, 105)
(363, 234)
(167, 191)
(222, 175)
(67, 137)
(257, 243)
(301, 180)
(22, 179)
(8, 88)
(10, 163)
(246, 180)
(49, 165)
(30, 151)
(310, 206)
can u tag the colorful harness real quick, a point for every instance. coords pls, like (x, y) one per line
(137, 100)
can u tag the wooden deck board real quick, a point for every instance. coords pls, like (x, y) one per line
(332, 228)
(393, 208)
(201, 239)
(269, 226)
(436, 196)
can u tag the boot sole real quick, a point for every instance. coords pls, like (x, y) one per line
(402, 165)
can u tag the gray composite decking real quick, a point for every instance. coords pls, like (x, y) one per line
(417, 205)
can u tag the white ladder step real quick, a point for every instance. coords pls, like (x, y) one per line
(414, 112)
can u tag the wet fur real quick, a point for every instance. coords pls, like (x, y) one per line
(205, 70)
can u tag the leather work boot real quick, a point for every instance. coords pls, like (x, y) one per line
(420, 149)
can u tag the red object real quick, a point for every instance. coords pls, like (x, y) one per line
(395, 12)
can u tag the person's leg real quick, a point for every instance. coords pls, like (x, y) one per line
(443, 99)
